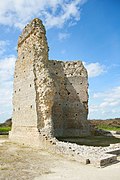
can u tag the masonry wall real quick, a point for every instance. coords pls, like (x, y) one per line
(70, 109)
(50, 96)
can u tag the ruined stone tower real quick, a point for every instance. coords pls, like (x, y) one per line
(50, 97)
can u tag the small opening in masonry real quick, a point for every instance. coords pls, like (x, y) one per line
(19, 89)
(31, 106)
(30, 85)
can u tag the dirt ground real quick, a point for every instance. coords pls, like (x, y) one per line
(23, 163)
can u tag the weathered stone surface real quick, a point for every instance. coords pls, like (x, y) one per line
(49, 96)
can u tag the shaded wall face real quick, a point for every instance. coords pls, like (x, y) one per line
(69, 112)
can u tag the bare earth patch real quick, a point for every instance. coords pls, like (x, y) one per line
(24, 163)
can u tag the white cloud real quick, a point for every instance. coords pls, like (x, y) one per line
(6, 85)
(54, 13)
(108, 106)
(94, 69)
(6, 68)
(63, 36)
(3, 45)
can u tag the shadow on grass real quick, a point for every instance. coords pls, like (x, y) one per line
(92, 140)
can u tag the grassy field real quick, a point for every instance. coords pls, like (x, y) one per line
(5, 129)
(108, 127)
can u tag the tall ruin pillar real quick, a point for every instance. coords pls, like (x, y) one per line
(33, 86)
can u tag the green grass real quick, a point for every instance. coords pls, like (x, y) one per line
(108, 127)
(5, 129)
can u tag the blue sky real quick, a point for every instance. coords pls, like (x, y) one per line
(87, 30)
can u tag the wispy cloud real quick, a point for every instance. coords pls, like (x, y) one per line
(3, 46)
(6, 85)
(94, 69)
(109, 103)
(54, 13)
(63, 36)
(7, 68)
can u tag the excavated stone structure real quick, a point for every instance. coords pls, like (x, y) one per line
(50, 100)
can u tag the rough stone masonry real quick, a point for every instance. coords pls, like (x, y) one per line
(50, 98)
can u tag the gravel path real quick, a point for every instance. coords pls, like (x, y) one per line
(24, 163)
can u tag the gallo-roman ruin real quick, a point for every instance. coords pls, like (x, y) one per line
(50, 99)
(49, 96)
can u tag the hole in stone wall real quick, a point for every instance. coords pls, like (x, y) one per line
(71, 74)
(77, 104)
(56, 73)
(81, 83)
(18, 108)
(19, 89)
(15, 91)
(23, 57)
(76, 114)
(54, 63)
(68, 93)
(31, 106)
(77, 93)
(30, 85)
